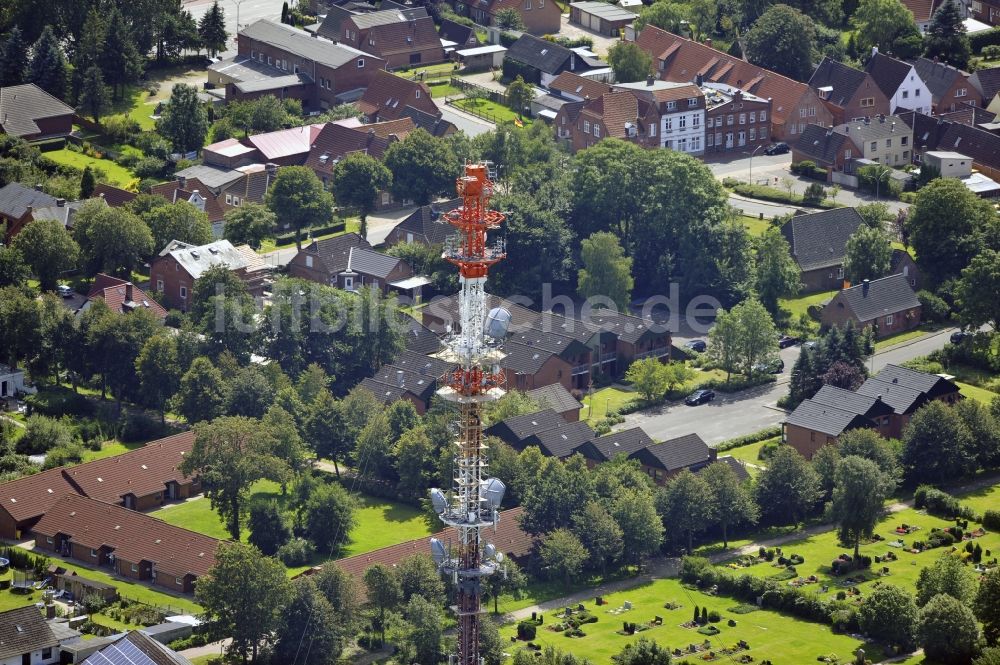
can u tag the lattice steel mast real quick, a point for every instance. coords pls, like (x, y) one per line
(473, 502)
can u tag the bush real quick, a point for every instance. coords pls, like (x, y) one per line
(120, 128)
(940, 503)
(935, 309)
(808, 169)
(747, 439)
(297, 552)
(526, 631)
(149, 167)
(714, 617)
(43, 434)
(982, 40)
(737, 383)
(991, 520)
(152, 144)
(814, 194)
(59, 402)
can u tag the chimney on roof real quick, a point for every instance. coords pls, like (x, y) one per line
(708, 42)
(864, 288)
(128, 292)
(271, 168)
(50, 611)
(649, 80)
(38, 187)
(181, 181)
(60, 202)
(874, 51)
(936, 59)
(399, 378)
(699, 80)
(29, 209)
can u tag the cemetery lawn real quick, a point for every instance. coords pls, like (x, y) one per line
(783, 640)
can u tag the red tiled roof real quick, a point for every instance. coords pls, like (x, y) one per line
(387, 95)
(405, 36)
(173, 192)
(113, 196)
(336, 141)
(115, 292)
(580, 86)
(29, 497)
(286, 142)
(922, 10)
(142, 471)
(510, 539)
(614, 109)
(134, 537)
(683, 59)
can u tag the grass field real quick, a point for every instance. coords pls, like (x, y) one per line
(109, 449)
(604, 401)
(490, 110)
(755, 226)
(116, 175)
(899, 338)
(749, 454)
(977, 393)
(800, 305)
(820, 550)
(983, 500)
(444, 90)
(781, 639)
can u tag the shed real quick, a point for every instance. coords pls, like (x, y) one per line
(600, 17)
(481, 57)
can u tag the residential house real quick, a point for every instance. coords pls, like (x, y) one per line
(28, 638)
(349, 262)
(923, 10)
(986, 11)
(540, 17)
(63, 212)
(544, 429)
(849, 93)
(620, 114)
(335, 141)
(735, 120)
(663, 461)
(830, 150)
(413, 376)
(399, 38)
(333, 16)
(574, 87)
(323, 261)
(601, 17)
(122, 296)
(17, 203)
(274, 58)
(680, 108)
(251, 187)
(540, 61)
(136, 648)
(556, 397)
(480, 58)
(11, 382)
(987, 85)
(818, 245)
(222, 158)
(889, 305)
(906, 390)
(819, 421)
(794, 105)
(30, 113)
(389, 95)
(432, 123)
(115, 197)
(973, 116)
(937, 134)
(738, 467)
(196, 193)
(285, 147)
(950, 87)
(130, 544)
(461, 36)
(174, 271)
(140, 479)
(899, 82)
(902, 263)
(883, 139)
(425, 225)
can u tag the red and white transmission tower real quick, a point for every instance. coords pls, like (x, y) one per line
(474, 500)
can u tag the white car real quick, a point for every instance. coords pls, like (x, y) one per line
(64, 290)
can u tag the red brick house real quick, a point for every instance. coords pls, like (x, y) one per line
(950, 87)
(849, 93)
(794, 105)
(123, 297)
(540, 17)
(174, 271)
(400, 39)
(141, 479)
(889, 305)
(17, 203)
(130, 544)
(734, 119)
(819, 421)
(336, 141)
(818, 243)
(833, 151)
(194, 192)
(906, 390)
(618, 114)
(30, 113)
(389, 95)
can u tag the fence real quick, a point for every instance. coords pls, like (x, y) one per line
(480, 91)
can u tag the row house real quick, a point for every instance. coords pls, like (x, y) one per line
(849, 94)
(885, 403)
(950, 87)
(888, 305)
(540, 17)
(939, 134)
(680, 108)
(899, 82)
(794, 105)
(734, 119)
(130, 544)
(274, 58)
(398, 38)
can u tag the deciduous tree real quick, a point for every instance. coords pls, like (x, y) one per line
(948, 575)
(887, 24)
(184, 121)
(788, 488)
(936, 446)
(358, 179)
(269, 529)
(509, 19)
(947, 630)
(777, 274)
(987, 606)
(685, 506)
(732, 500)
(421, 166)
(890, 614)
(977, 291)
(606, 272)
(178, 221)
(629, 62)
(310, 628)
(297, 198)
(158, 371)
(860, 488)
(48, 249)
(562, 555)
(383, 592)
(111, 240)
(783, 39)
(868, 254)
(249, 224)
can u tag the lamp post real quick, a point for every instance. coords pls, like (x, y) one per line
(879, 172)
(751, 162)
(238, 3)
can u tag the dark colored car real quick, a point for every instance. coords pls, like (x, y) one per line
(960, 336)
(786, 341)
(776, 149)
(700, 397)
(698, 345)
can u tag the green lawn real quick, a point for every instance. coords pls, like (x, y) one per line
(754, 225)
(444, 90)
(428, 70)
(490, 110)
(800, 305)
(351, 224)
(749, 454)
(109, 449)
(781, 639)
(818, 552)
(899, 338)
(605, 401)
(116, 175)
(977, 393)
(982, 500)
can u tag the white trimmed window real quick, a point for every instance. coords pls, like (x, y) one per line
(361, 63)
(763, 116)
(597, 131)
(135, 568)
(586, 126)
(159, 285)
(184, 292)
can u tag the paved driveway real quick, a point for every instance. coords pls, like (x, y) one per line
(601, 42)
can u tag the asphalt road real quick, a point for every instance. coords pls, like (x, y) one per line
(248, 10)
(752, 410)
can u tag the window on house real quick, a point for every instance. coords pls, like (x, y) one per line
(903, 140)
(229, 199)
(135, 568)
(812, 436)
(295, 69)
(710, 140)
(867, 102)
(159, 285)
(652, 129)
(696, 121)
(309, 262)
(961, 92)
(888, 143)
(682, 122)
(847, 154)
(696, 143)
(236, 200)
(874, 145)
(541, 3)
(763, 116)
(671, 106)
(184, 292)
(597, 130)
(840, 272)
(906, 94)
(253, 55)
(753, 133)
(718, 138)
(586, 126)
(742, 137)
(906, 154)
(729, 119)
(179, 581)
(93, 553)
(753, 117)
(792, 128)
(46, 653)
(349, 283)
(812, 111)
(693, 101)
(269, 60)
(668, 124)
(527, 4)
(361, 63)
(916, 93)
(743, 118)
(803, 112)
(48, 540)
(888, 320)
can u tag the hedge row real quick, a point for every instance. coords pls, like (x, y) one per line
(747, 439)
(980, 40)
(940, 503)
(289, 238)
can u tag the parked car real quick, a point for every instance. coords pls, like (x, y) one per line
(811, 344)
(776, 149)
(786, 341)
(776, 366)
(700, 397)
(65, 291)
(960, 336)
(698, 345)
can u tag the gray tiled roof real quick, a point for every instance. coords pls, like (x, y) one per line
(215, 177)
(24, 630)
(844, 80)
(330, 27)
(683, 452)
(369, 262)
(15, 199)
(301, 43)
(819, 240)
(736, 465)
(433, 125)
(938, 76)
(987, 82)
(197, 260)
(623, 442)
(820, 144)
(910, 378)
(563, 440)
(901, 398)
(420, 339)
(541, 54)
(825, 419)
(456, 32)
(335, 252)
(888, 73)
(874, 129)
(521, 427)
(373, 19)
(863, 405)
(21, 105)
(556, 397)
(427, 221)
(887, 295)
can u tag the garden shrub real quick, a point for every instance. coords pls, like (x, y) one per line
(296, 552)
(120, 128)
(714, 617)
(747, 439)
(983, 40)
(935, 309)
(940, 503)
(526, 631)
(814, 194)
(991, 520)
(149, 167)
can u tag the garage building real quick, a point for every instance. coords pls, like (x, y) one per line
(600, 17)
